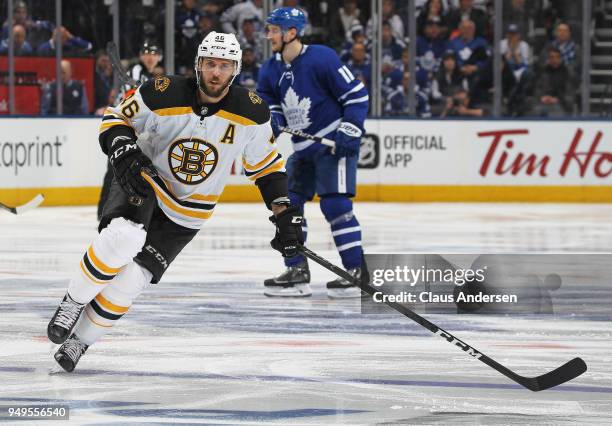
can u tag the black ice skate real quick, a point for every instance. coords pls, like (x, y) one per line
(64, 320)
(291, 283)
(70, 352)
(341, 288)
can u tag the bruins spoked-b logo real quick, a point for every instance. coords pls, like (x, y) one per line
(192, 160)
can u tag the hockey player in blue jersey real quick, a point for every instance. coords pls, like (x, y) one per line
(308, 88)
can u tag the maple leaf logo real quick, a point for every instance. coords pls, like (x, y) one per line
(296, 111)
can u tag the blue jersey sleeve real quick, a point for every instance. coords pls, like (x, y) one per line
(265, 88)
(345, 88)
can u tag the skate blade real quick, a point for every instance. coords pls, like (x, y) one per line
(344, 293)
(298, 290)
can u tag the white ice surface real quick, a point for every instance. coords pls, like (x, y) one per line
(206, 347)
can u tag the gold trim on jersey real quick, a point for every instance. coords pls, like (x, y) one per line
(277, 166)
(200, 197)
(235, 118)
(173, 205)
(195, 197)
(255, 167)
(173, 111)
(110, 305)
(116, 120)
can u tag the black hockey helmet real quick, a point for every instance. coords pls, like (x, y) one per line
(151, 47)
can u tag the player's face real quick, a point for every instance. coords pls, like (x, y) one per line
(150, 60)
(274, 34)
(216, 75)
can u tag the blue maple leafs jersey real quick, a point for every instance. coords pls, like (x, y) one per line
(315, 93)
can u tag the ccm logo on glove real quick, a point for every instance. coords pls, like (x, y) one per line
(350, 130)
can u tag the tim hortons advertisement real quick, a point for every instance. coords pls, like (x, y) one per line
(486, 153)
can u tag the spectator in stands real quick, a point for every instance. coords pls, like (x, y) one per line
(390, 45)
(248, 36)
(357, 36)
(359, 63)
(389, 15)
(570, 51)
(74, 96)
(250, 68)
(447, 80)
(554, 91)
(392, 87)
(460, 105)
(423, 80)
(471, 51)
(36, 31)
(187, 12)
(20, 46)
(212, 7)
(71, 44)
(104, 94)
(231, 19)
(344, 21)
(207, 24)
(187, 40)
(423, 109)
(467, 12)
(433, 11)
(431, 46)
(517, 58)
(515, 50)
(519, 12)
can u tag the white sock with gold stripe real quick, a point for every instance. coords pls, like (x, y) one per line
(115, 247)
(112, 303)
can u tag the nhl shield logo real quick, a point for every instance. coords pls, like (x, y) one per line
(192, 161)
(162, 83)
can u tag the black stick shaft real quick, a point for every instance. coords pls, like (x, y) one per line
(566, 372)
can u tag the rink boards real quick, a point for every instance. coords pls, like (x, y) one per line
(400, 160)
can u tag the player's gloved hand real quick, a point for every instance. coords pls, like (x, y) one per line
(277, 120)
(128, 161)
(348, 138)
(288, 231)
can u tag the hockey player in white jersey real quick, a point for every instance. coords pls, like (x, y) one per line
(309, 89)
(144, 70)
(171, 145)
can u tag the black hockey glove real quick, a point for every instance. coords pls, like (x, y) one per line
(127, 161)
(288, 231)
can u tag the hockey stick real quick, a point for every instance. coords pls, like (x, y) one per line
(568, 371)
(113, 54)
(32, 204)
(301, 134)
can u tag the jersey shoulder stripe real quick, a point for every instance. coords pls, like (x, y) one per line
(169, 95)
(245, 107)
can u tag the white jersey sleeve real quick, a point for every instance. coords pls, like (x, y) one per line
(260, 156)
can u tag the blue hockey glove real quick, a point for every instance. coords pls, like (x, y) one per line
(277, 120)
(348, 138)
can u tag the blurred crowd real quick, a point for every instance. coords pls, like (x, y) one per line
(540, 55)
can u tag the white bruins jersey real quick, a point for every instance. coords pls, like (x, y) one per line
(193, 147)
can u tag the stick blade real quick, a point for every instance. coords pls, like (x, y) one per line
(32, 204)
(568, 371)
